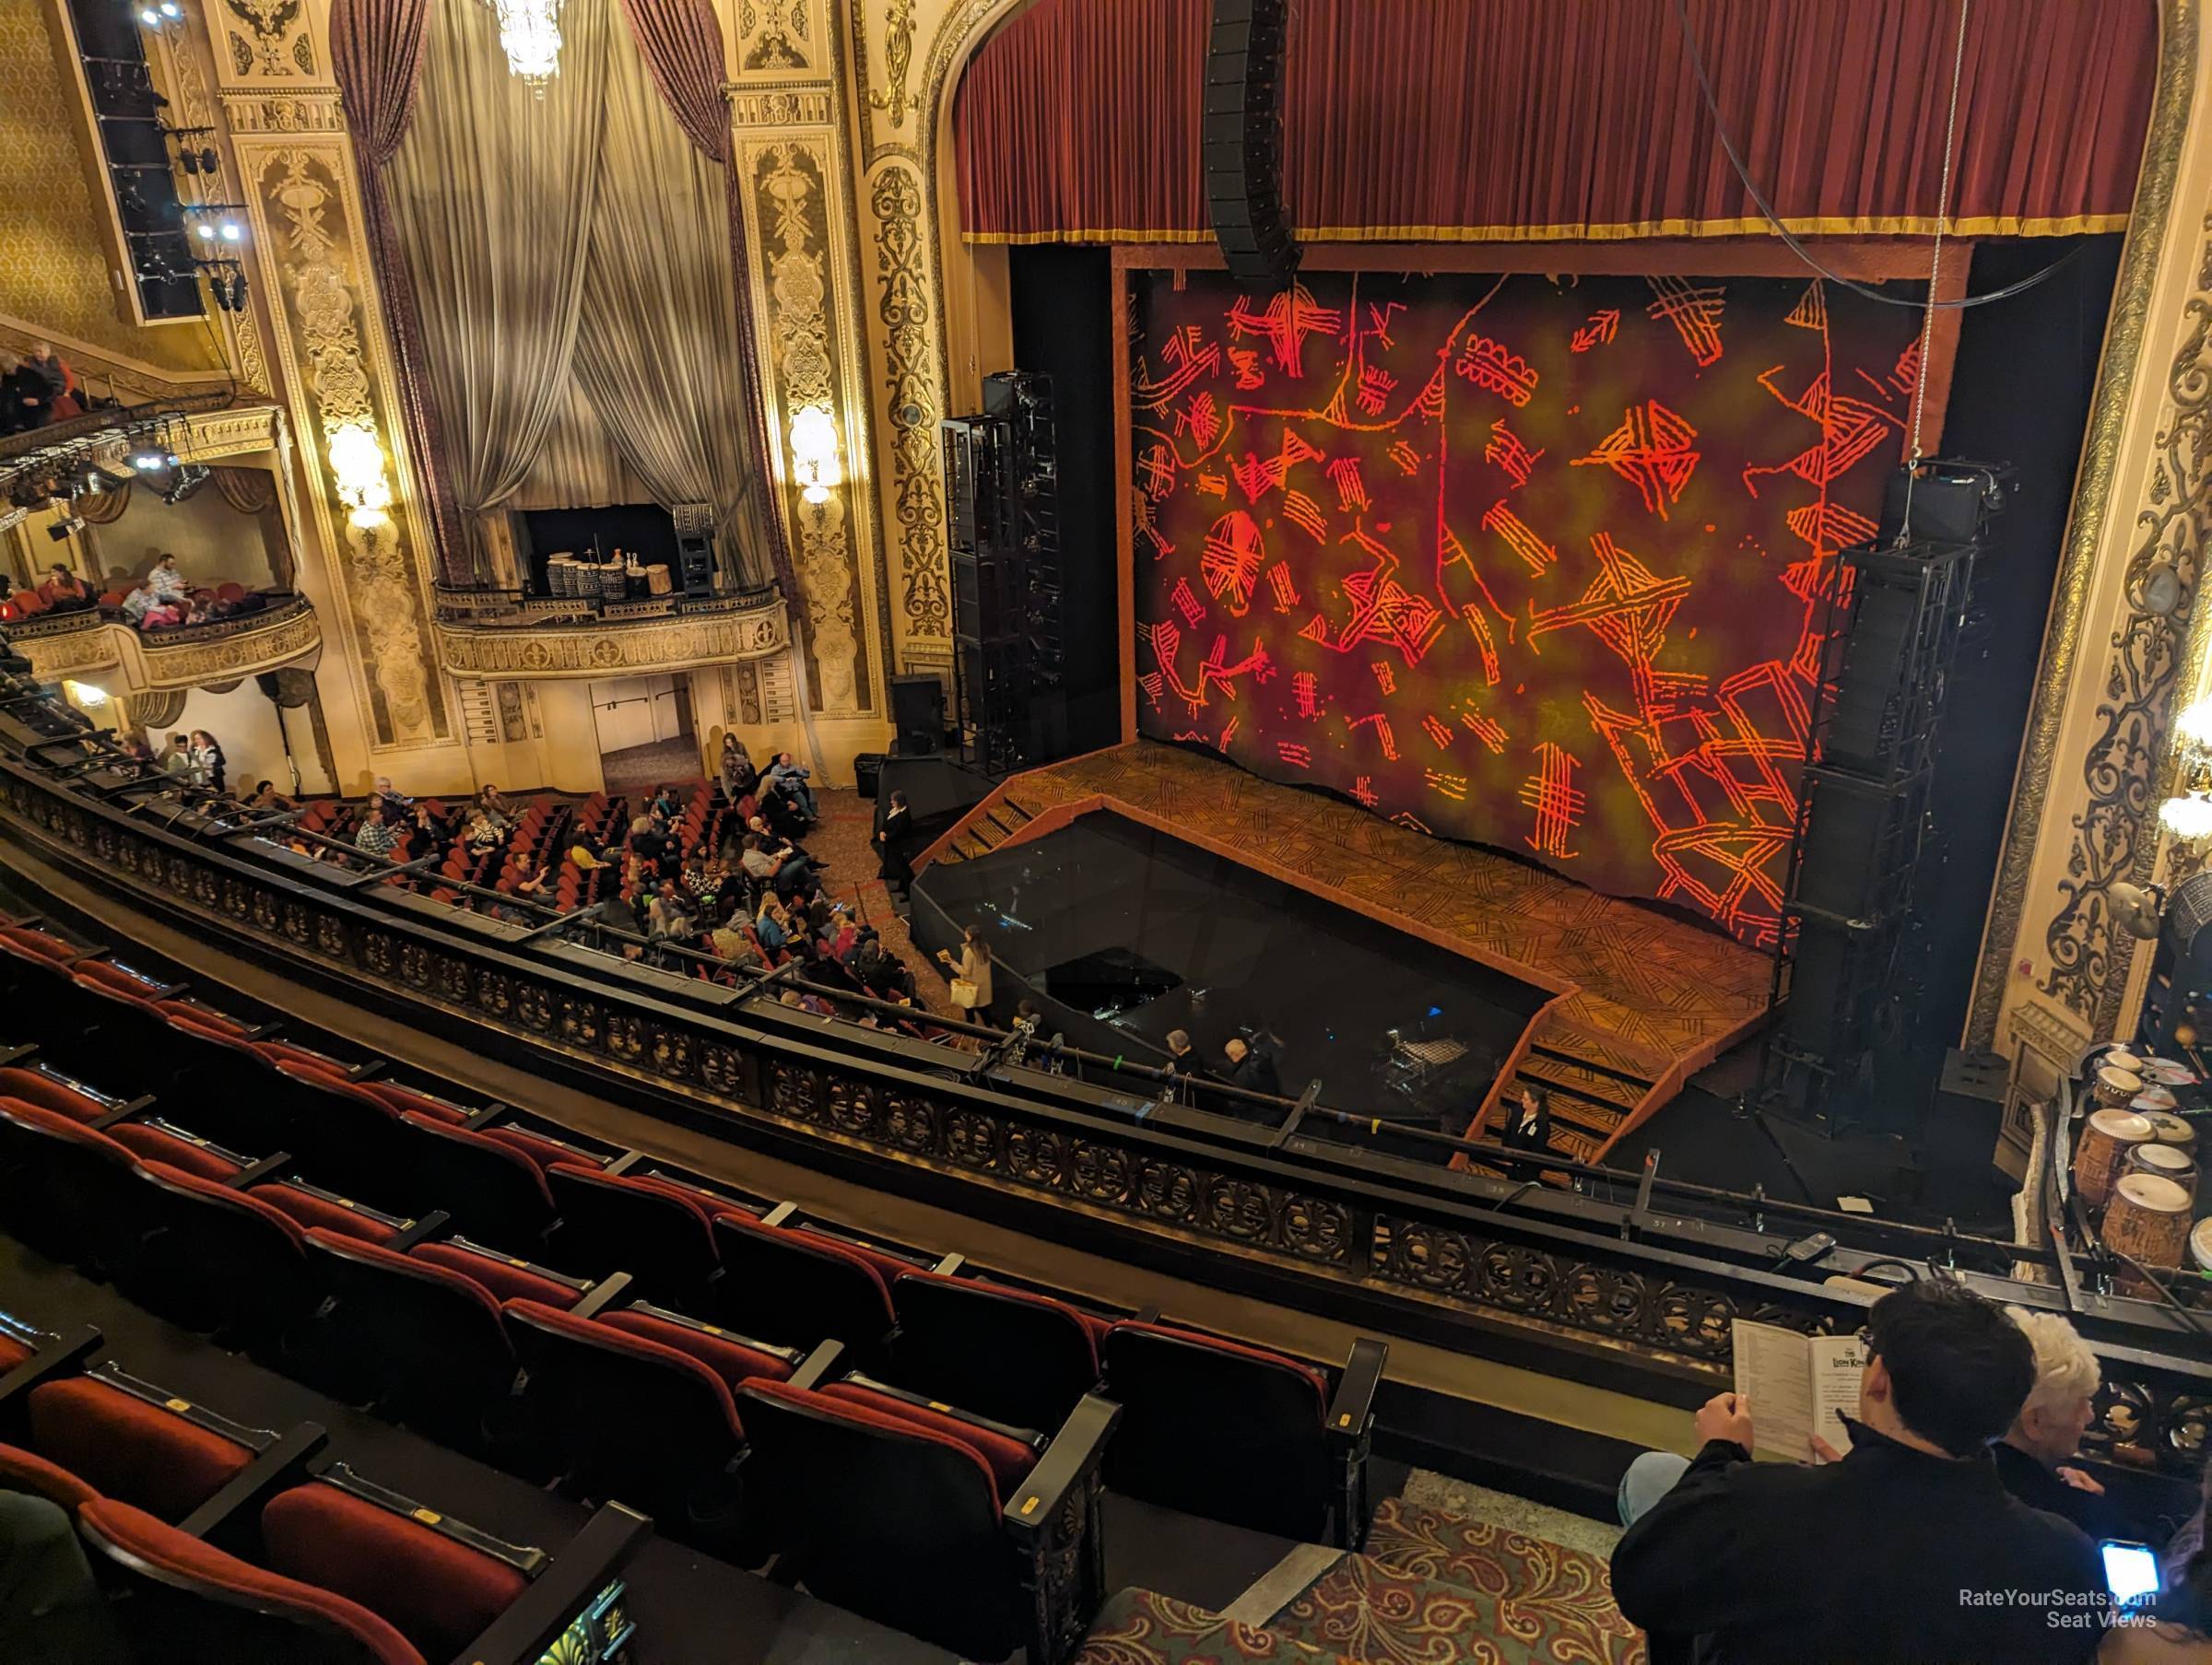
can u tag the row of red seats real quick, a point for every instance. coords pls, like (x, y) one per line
(232, 1543)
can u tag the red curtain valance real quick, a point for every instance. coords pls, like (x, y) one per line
(1508, 119)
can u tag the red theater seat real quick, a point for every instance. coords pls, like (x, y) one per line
(174, 1148)
(508, 1277)
(52, 1091)
(492, 1188)
(800, 1288)
(222, 1260)
(67, 1191)
(734, 1359)
(1023, 1358)
(438, 1592)
(199, 1603)
(313, 1211)
(27, 1472)
(132, 1448)
(657, 1232)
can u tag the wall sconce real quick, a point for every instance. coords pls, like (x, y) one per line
(814, 452)
(85, 694)
(357, 462)
(2189, 816)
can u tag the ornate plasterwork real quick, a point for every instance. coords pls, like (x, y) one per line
(780, 107)
(310, 238)
(601, 649)
(891, 97)
(912, 405)
(288, 113)
(267, 39)
(2088, 966)
(778, 35)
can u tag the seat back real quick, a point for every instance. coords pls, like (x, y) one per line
(427, 1344)
(894, 1521)
(191, 1600)
(638, 1421)
(792, 1288)
(436, 1591)
(348, 1137)
(67, 1191)
(612, 1223)
(1216, 1428)
(131, 1448)
(1004, 1352)
(222, 1259)
(491, 1189)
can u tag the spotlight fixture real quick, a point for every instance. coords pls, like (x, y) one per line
(189, 479)
(147, 462)
(62, 528)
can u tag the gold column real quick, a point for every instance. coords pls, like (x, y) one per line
(296, 174)
(790, 148)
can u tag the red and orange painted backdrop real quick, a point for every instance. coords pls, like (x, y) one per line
(1539, 562)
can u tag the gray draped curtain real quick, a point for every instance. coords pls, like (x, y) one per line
(572, 264)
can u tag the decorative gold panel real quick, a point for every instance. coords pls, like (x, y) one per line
(611, 649)
(142, 664)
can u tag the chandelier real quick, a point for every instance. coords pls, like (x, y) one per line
(530, 36)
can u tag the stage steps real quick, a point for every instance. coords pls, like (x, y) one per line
(1430, 1586)
(988, 826)
(1596, 1087)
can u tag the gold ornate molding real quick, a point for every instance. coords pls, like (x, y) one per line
(311, 111)
(2089, 965)
(777, 107)
(780, 37)
(601, 648)
(265, 40)
(181, 660)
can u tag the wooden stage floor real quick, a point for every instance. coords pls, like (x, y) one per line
(1641, 999)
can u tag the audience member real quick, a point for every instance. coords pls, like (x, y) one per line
(482, 834)
(586, 852)
(779, 810)
(736, 768)
(785, 870)
(2046, 1433)
(894, 843)
(529, 878)
(376, 836)
(64, 592)
(1252, 1065)
(166, 582)
(668, 913)
(1883, 1554)
(495, 809)
(395, 805)
(971, 975)
(176, 756)
(266, 797)
(209, 767)
(772, 924)
(59, 381)
(731, 946)
(1528, 1120)
(791, 776)
(25, 397)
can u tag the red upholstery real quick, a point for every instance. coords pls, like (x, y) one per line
(484, 1145)
(409, 1265)
(1009, 1460)
(888, 1265)
(12, 1353)
(1094, 1329)
(863, 1415)
(1312, 1379)
(66, 1126)
(440, 1594)
(540, 1150)
(27, 942)
(124, 1449)
(204, 1017)
(275, 1053)
(730, 1359)
(251, 1203)
(812, 1243)
(506, 1280)
(169, 1552)
(22, 1471)
(152, 1144)
(406, 1102)
(601, 1335)
(32, 1087)
(311, 1211)
(113, 982)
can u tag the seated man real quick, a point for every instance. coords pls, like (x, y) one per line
(1908, 1548)
(792, 776)
(2045, 1434)
(784, 869)
(375, 836)
(1252, 1066)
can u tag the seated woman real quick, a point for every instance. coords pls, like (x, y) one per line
(738, 775)
(482, 835)
(495, 809)
(64, 592)
(773, 925)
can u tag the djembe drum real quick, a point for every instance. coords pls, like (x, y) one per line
(2103, 1147)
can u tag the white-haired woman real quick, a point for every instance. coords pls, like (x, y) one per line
(2033, 1456)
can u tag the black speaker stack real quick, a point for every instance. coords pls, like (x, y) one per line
(694, 547)
(1001, 487)
(1244, 142)
(1866, 854)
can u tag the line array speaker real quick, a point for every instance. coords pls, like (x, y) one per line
(1243, 140)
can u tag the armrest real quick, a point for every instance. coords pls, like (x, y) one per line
(949, 1267)
(1352, 1411)
(1146, 1315)
(431, 1225)
(365, 1071)
(571, 1588)
(601, 1295)
(1349, 1432)
(819, 1365)
(1068, 1463)
(625, 1162)
(271, 1164)
(484, 1118)
(231, 1518)
(122, 1112)
(781, 1214)
(261, 1032)
(16, 1054)
(65, 1356)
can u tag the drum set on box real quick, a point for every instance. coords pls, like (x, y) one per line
(2137, 1160)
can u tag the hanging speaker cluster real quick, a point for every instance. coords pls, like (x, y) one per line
(1244, 142)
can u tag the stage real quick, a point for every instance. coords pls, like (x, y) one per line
(1634, 1000)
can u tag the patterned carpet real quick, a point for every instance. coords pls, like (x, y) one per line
(1431, 1590)
(841, 839)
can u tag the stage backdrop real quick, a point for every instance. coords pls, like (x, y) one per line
(1535, 561)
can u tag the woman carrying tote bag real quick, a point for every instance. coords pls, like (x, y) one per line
(970, 976)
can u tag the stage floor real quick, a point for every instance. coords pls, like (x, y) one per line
(1640, 998)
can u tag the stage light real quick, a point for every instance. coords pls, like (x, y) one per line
(147, 462)
(150, 18)
(189, 479)
(170, 8)
(86, 694)
(61, 528)
(206, 231)
(231, 231)
(2189, 816)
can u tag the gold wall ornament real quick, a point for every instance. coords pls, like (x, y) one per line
(776, 35)
(312, 242)
(892, 97)
(131, 662)
(912, 404)
(545, 652)
(268, 40)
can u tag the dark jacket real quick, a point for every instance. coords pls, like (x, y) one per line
(1257, 1072)
(1854, 1562)
(2035, 1485)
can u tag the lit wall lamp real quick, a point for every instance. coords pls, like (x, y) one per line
(86, 695)
(814, 452)
(356, 462)
(2189, 816)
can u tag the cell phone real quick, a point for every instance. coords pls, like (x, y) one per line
(2130, 1570)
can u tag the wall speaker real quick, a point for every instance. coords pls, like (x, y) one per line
(918, 715)
(1243, 141)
